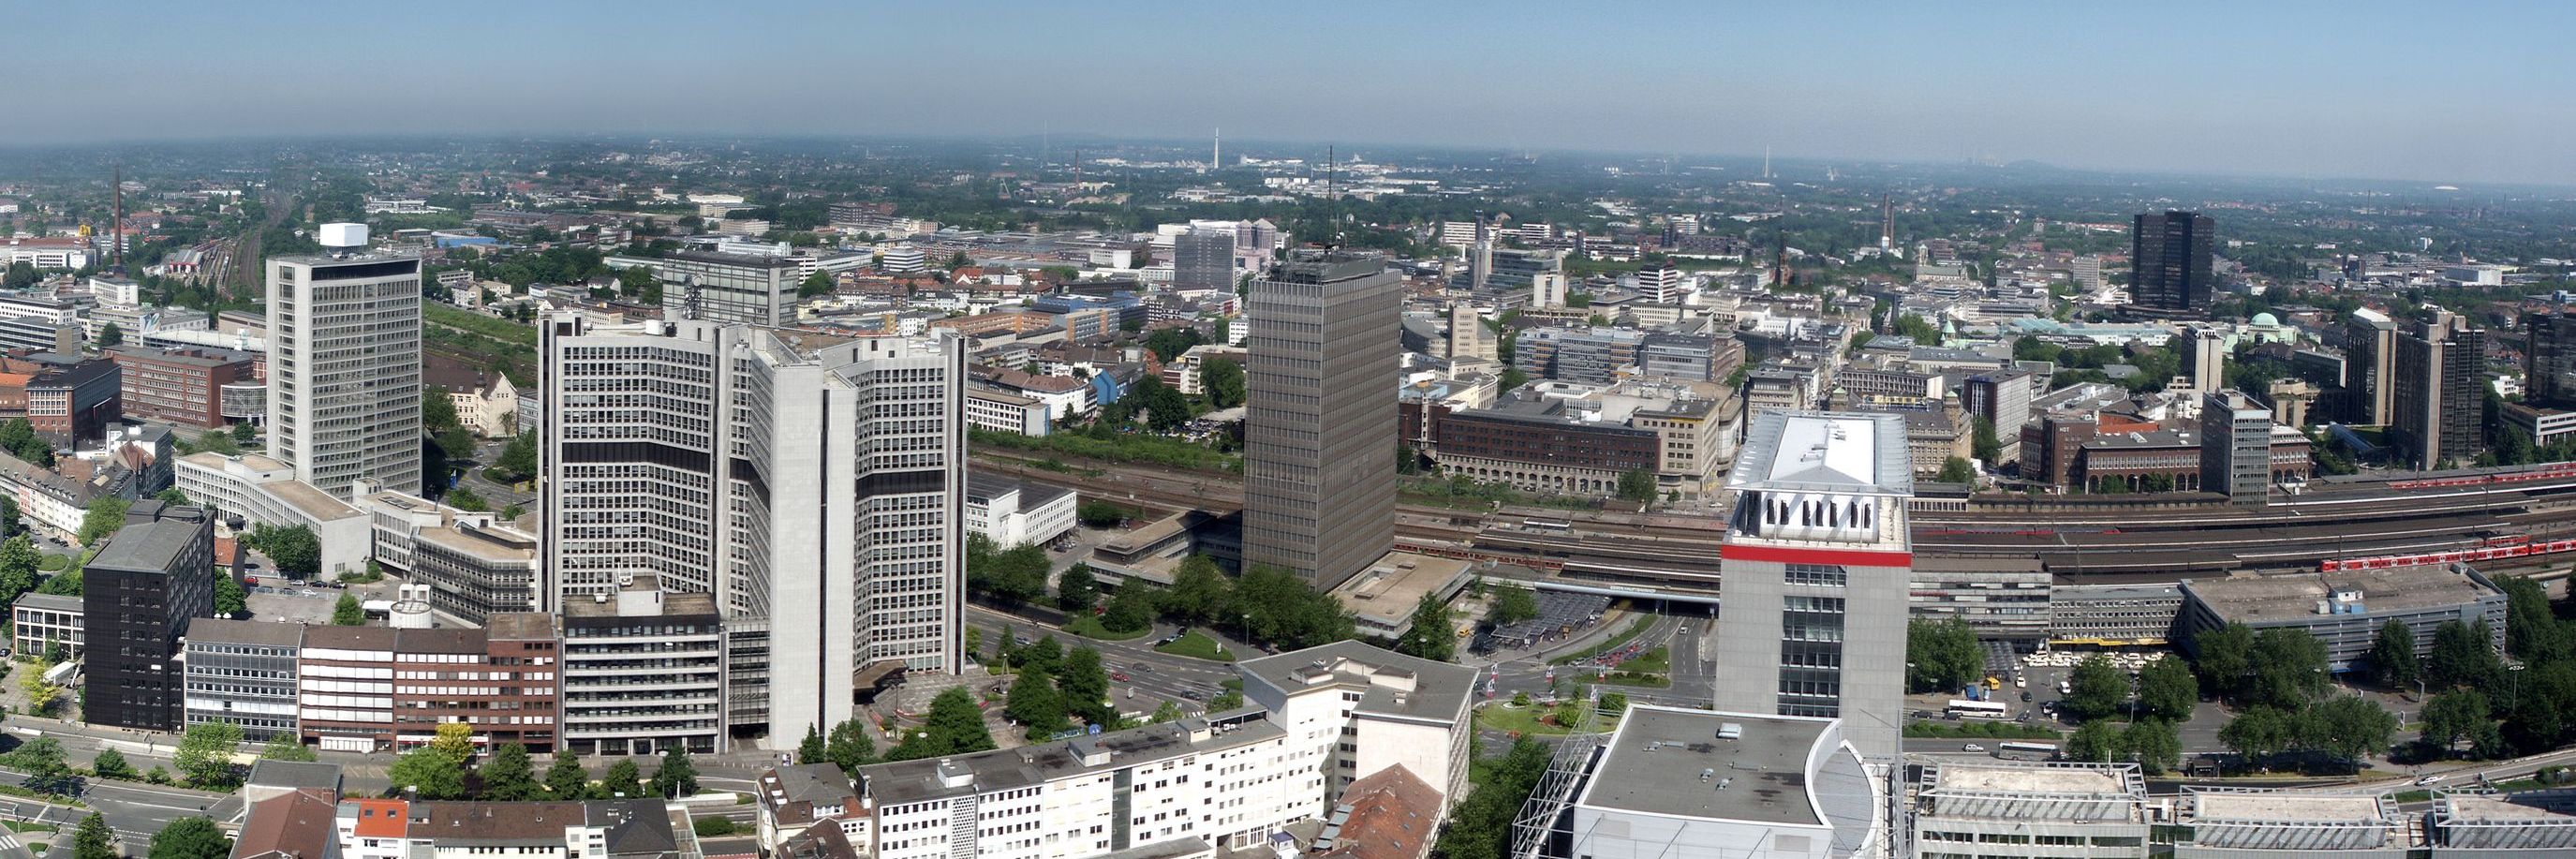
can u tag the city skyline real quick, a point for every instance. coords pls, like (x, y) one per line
(2054, 85)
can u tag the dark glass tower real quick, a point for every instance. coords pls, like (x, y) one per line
(2171, 253)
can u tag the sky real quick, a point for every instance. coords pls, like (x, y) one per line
(2452, 92)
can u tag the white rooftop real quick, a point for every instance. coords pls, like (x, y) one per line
(1825, 451)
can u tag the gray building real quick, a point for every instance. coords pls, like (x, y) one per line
(1818, 560)
(142, 591)
(2370, 353)
(2003, 400)
(644, 670)
(244, 672)
(475, 572)
(2473, 823)
(2040, 811)
(2345, 609)
(2113, 614)
(344, 369)
(2239, 823)
(726, 288)
(2439, 386)
(1319, 498)
(37, 621)
(837, 467)
(1690, 357)
(2235, 447)
(1203, 258)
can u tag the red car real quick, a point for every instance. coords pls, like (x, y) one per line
(1119, 676)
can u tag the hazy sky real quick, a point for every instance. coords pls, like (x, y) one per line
(2444, 91)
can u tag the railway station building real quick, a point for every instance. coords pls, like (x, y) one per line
(2059, 810)
(2344, 609)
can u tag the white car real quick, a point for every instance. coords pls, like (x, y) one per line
(2431, 778)
(1972, 747)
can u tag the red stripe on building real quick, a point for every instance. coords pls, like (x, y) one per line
(1831, 557)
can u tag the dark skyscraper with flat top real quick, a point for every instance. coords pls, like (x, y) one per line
(2171, 253)
(1320, 433)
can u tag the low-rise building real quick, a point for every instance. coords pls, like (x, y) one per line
(489, 411)
(795, 800)
(643, 670)
(1726, 784)
(65, 397)
(1003, 411)
(244, 672)
(1014, 513)
(2237, 823)
(1393, 814)
(475, 572)
(2345, 609)
(365, 688)
(179, 385)
(2001, 598)
(2041, 811)
(1383, 597)
(264, 491)
(1361, 709)
(2113, 615)
(1582, 441)
(37, 621)
(2471, 823)
(605, 829)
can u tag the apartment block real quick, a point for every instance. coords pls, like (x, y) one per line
(179, 385)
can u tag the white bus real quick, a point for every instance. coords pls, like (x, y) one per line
(1979, 709)
(2026, 751)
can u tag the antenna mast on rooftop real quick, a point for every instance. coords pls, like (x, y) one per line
(1332, 201)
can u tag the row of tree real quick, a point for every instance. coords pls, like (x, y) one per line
(2278, 680)
(445, 769)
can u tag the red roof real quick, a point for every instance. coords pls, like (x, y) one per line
(381, 818)
(1394, 815)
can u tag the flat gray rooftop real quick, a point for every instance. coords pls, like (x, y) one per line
(1658, 756)
(2293, 597)
(1825, 452)
(1439, 689)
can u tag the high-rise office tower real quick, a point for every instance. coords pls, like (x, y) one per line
(1467, 340)
(344, 365)
(729, 289)
(1660, 283)
(813, 483)
(2549, 366)
(2370, 355)
(1547, 289)
(1319, 498)
(1203, 258)
(2235, 447)
(2438, 402)
(2207, 350)
(2171, 253)
(1817, 562)
(138, 594)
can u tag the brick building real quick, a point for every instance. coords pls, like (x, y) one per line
(181, 385)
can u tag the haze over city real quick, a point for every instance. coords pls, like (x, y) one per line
(2462, 92)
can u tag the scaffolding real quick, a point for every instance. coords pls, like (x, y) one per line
(1531, 830)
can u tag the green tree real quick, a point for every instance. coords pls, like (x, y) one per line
(1956, 470)
(2289, 668)
(1614, 703)
(2224, 658)
(1046, 653)
(2348, 728)
(231, 599)
(1132, 606)
(1429, 635)
(567, 779)
(1941, 654)
(1035, 703)
(285, 747)
(296, 550)
(103, 518)
(2096, 689)
(1229, 699)
(2455, 715)
(954, 726)
(1083, 683)
(1199, 592)
(190, 837)
(205, 755)
(2257, 733)
(10, 526)
(1169, 712)
(348, 612)
(2532, 631)
(1077, 590)
(518, 459)
(2097, 741)
(427, 773)
(2154, 744)
(1481, 826)
(2167, 690)
(677, 776)
(2392, 655)
(1984, 445)
(18, 437)
(850, 747)
(171, 496)
(437, 410)
(1278, 607)
(111, 763)
(2463, 655)
(811, 749)
(1513, 605)
(464, 498)
(818, 283)
(624, 780)
(508, 775)
(41, 760)
(93, 839)
(1637, 485)
(18, 560)
(1224, 380)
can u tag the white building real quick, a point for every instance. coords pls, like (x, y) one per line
(903, 259)
(344, 364)
(838, 465)
(1003, 411)
(1013, 513)
(492, 412)
(264, 491)
(1697, 784)
(644, 670)
(2039, 811)
(1362, 709)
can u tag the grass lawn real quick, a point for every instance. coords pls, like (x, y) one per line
(1631, 678)
(1197, 645)
(1656, 661)
(1979, 730)
(1524, 720)
(51, 563)
(1088, 626)
(23, 826)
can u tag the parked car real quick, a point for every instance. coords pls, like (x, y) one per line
(1119, 676)
(1194, 694)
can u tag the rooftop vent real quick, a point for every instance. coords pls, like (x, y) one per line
(1730, 731)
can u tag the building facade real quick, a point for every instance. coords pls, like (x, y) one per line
(2172, 254)
(728, 289)
(1818, 559)
(244, 672)
(38, 621)
(180, 385)
(1318, 497)
(644, 670)
(141, 591)
(344, 369)
(2345, 609)
(2437, 395)
(837, 468)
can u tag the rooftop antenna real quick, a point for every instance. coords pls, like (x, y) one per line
(1332, 201)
